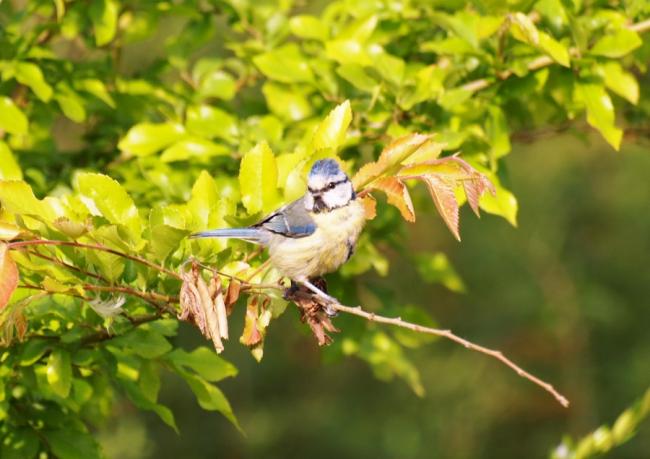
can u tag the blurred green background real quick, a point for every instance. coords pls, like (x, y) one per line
(565, 295)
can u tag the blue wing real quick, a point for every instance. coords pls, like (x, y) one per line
(292, 220)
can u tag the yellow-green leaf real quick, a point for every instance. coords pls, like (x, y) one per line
(331, 132)
(106, 195)
(9, 167)
(31, 75)
(623, 41)
(286, 64)
(600, 111)
(104, 14)
(59, 372)
(621, 82)
(306, 26)
(12, 119)
(147, 138)
(258, 178)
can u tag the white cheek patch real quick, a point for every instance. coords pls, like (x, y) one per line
(339, 196)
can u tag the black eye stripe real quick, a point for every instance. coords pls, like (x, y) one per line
(326, 187)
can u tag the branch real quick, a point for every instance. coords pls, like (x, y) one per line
(540, 62)
(103, 248)
(398, 322)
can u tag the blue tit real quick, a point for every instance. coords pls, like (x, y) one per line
(313, 235)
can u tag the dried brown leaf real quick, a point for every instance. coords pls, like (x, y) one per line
(8, 275)
(394, 153)
(397, 194)
(232, 294)
(445, 200)
(251, 336)
(210, 313)
(312, 313)
(219, 304)
(369, 206)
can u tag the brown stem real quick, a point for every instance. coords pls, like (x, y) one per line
(103, 248)
(540, 62)
(66, 265)
(398, 322)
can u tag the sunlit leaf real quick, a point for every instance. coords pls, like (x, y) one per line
(9, 167)
(103, 14)
(331, 131)
(59, 372)
(286, 64)
(146, 138)
(600, 111)
(258, 178)
(31, 75)
(12, 119)
(617, 44)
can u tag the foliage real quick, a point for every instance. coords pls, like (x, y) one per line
(119, 153)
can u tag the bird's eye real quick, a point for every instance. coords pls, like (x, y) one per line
(331, 186)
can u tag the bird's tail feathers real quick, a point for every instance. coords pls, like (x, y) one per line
(248, 234)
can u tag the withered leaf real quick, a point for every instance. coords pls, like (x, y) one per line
(445, 200)
(397, 194)
(8, 275)
(369, 206)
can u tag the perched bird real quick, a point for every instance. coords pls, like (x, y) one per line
(313, 235)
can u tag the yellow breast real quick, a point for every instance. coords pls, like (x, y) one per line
(323, 251)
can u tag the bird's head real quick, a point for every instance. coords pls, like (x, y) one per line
(328, 187)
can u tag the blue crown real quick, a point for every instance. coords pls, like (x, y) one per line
(326, 167)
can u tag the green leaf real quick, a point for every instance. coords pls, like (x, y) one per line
(498, 133)
(436, 268)
(20, 443)
(331, 132)
(621, 82)
(32, 351)
(97, 88)
(258, 179)
(12, 119)
(204, 362)
(287, 103)
(9, 168)
(31, 75)
(165, 239)
(503, 203)
(59, 372)
(141, 400)
(107, 196)
(149, 380)
(145, 343)
(104, 14)
(193, 148)
(209, 396)
(17, 197)
(286, 64)
(147, 138)
(72, 444)
(558, 52)
(217, 84)
(71, 104)
(305, 26)
(210, 122)
(600, 111)
(356, 75)
(623, 41)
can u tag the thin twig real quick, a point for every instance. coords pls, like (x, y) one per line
(539, 62)
(66, 265)
(398, 322)
(103, 248)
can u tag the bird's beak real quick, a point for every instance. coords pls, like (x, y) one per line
(319, 204)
